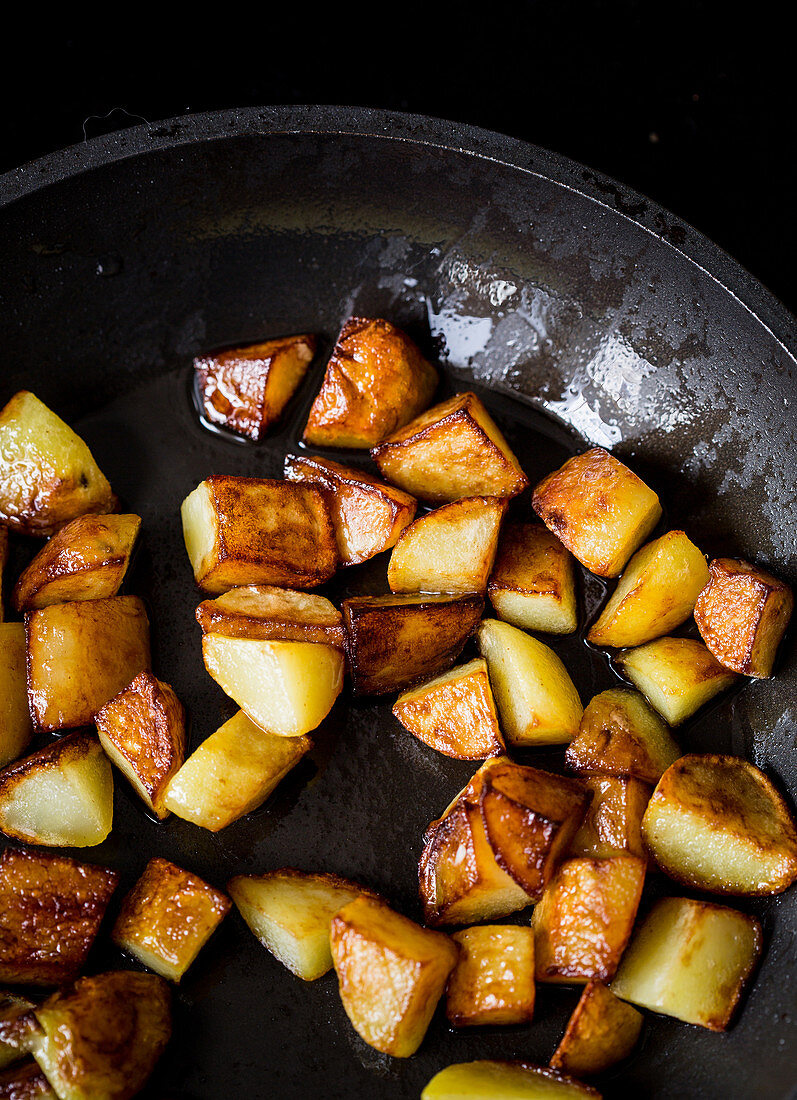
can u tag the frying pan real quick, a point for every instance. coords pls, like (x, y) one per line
(582, 312)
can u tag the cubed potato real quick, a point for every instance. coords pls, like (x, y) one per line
(16, 728)
(287, 688)
(621, 735)
(367, 514)
(584, 919)
(3, 564)
(52, 907)
(48, 476)
(86, 560)
(232, 773)
(248, 530)
(717, 823)
(375, 382)
(454, 713)
(278, 614)
(493, 980)
(142, 730)
(533, 582)
(395, 641)
(656, 593)
(245, 390)
(537, 701)
(742, 614)
(676, 675)
(80, 655)
(454, 450)
(488, 1080)
(690, 959)
(613, 821)
(391, 974)
(599, 509)
(291, 913)
(25, 1082)
(61, 796)
(15, 1018)
(450, 549)
(602, 1031)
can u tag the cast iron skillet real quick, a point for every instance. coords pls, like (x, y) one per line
(604, 318)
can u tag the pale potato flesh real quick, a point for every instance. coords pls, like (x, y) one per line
(532, 584)
(621, 735)
(676, 675)
(16, 728)
(602, 1031)
(263, 611)
(493, 981)
(488, 1080)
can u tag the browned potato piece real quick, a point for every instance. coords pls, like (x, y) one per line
(493, 981)
(676, 675)
(368, 515)
(3, 563)
(584, 919)
(280, 614)
(454, 713)
(613, 821)
(391, 973)
(52, 907)
(602, 1031)
(394, 641)
(621, 735)
(82, 654)
(717, 823)
(454, 450)
(375, 382)
(533, 582)
(86, 560)
(16, 729)
(142, 729)
(742, 614)
(15, 1023)
(48, 475)
(599, 509)
(25, 1082)
(491, 1080)
(246, 389)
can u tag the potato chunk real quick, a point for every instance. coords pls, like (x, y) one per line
(454, 450)
(367, 514)
(742, 614)
(51, 909)
(25, 1082)
(493, 981)
(247, 530)
(15, 1021)
(142, 730)
(391, 974)
(48, 476)
(533, 583)
(232, 773)
(16, 728)
(584, 919)
(86, 560)
(690, 959)
(602, 1031)
(613, 822)
(454, 713)
(621, 735)
(676, 675)
(599, 509)
(61, 796)
(487, 1080)
(537, 701)
(279, 614)
(245, 390)
(82, 654)
(3, 564)
(718, 824)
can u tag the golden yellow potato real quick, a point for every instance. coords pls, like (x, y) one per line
(15, 1026)
(488, 1080)
(676, 675)
(602, 1031)
(621, 735)
(613, 821)
(280, 614)
(16, 728)
(3, 564)
(493, 980)
(533, 584)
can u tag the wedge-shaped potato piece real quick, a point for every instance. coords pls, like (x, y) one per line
(533, 582)
(232, 773)
(25, 1082)
(487, 1080)
(493, 981)
(3, 564)
(367, 514)
(454, 713)
(375, 382)
(15, 1023)
(690, 959)
(613, 822)
(48, 475)
(79, 655)
(260, 611)
(168, 917)
(291, 911)
(584, 919)
(142, 730)
(287, 688)
(61, 796)
(248, 530)
(245, 390)
(391, 974)
(656, 593)
(394, 641)
(742, 614)
(718, 824)
(454, 450)
(51, 909)
(603, 1030)
(86, 560)
(537, 701)
(621, 735)
(598, 508)
(676, 675)
(16, 729)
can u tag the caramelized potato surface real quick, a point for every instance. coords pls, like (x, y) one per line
(532, 584)
(25, 1082)
(488, 1080)
(15, 1024)
(613, 822)
(16, 728)
(279, 614)
(676, 675)
(602, 1031)
(621, 735)
(493, 980)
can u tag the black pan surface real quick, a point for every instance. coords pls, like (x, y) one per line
(581, 312)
